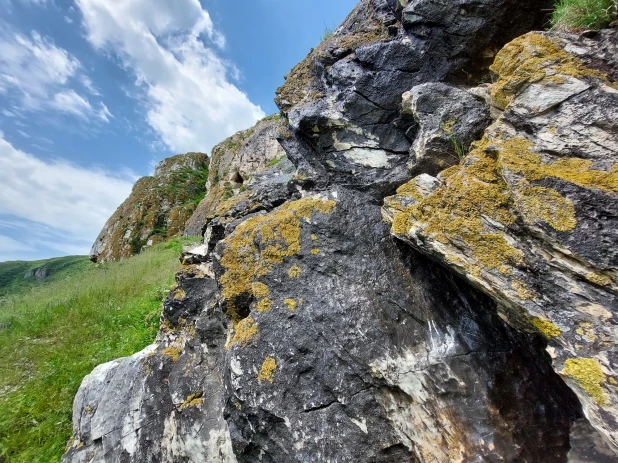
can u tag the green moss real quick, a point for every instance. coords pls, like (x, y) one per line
(587, 373)
(267, 371)
(547, 328)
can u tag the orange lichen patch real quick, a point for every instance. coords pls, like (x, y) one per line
(262, 242)
(244, 331)
(267, 371)
(295, 272)
(173, 352)
(291, 304)
(194, 400)
(533, 58)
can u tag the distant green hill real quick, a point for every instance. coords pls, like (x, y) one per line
(13, 274)
(53, 334)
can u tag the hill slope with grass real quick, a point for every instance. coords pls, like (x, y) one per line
(54, 334)
(18, 276)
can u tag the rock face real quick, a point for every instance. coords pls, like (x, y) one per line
(234, 164)
(38, 273)
(302, 330)
(530, 216)
(157, 208)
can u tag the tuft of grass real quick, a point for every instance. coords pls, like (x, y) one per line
(328, 32)
(55, 334)
(274, 162)
(460, 149)
(584, 14)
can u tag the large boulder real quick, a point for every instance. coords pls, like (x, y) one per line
(157, 208)
(302, 330)
(530, 216)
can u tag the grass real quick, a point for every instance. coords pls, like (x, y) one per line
(12, 273)
(584, 14)
(53, 335)
(274, 162)
(460, 149)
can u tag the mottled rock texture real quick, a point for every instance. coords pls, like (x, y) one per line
(234, 164)
(530, 216)
(302, 330)
(157, 208)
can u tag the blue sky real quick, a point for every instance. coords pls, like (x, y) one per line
(93, 93)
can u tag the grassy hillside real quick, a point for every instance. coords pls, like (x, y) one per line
(54, 334)
(12, 273)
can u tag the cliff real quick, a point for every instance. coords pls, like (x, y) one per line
(157, 208)
(429, 275)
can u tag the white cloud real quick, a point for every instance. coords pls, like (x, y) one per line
(40, 75)
(190, 102)
(65, 203)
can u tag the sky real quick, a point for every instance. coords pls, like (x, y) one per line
(94, 93)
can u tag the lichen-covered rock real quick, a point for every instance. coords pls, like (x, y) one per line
(233, 167)
(301, 330)
(157, 208)
(449, 120)
(344, 99)
(530, 216)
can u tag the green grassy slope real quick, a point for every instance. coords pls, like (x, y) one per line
(12, 273)
(56, 333)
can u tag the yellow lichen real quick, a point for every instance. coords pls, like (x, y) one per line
(267, 372)
(244, 331)
(314, 237)
(522, 289)
(517, 156)
(295, 272)
(410, 189)
(547, 328)
(261, 242)
(264, 305)
(447, 127)
(599, 279)
(193, 400)
(586, 329)
(173, 352)
(529, 59)
(291, 304)
(260, 290)
(179, 294)
(315, 251)
(547, 205)
(588, 374)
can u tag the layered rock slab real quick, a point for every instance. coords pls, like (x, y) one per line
(530, 216)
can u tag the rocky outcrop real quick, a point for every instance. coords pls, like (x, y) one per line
(38, 274)
(530, 216)
(157, 208)
(302, 330)
(234, 164)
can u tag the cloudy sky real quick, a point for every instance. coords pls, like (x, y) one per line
(93, 93)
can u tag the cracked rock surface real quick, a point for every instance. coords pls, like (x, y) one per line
(323, 319)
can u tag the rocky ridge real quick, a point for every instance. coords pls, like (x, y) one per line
(157, 208)
(324, 319)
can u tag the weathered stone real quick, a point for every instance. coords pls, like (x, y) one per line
(234, 164)
(530, 216)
